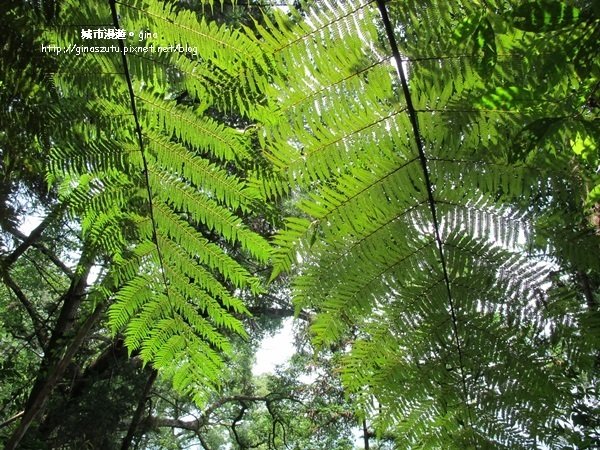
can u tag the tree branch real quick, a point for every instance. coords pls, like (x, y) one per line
(44, 250)
(38, 324)
(203, 441)
(365, 434)
(30, 240)
(167, 422)
(45, 384)
(196, 424)
(236, 419)
(278, 313)
(588, 292)
(135, 421)
(11, 419)
(100, 367)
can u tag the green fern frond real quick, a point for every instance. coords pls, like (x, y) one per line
(411, 256)
(201, 133)
(202, 173)
(160, 187)
(204, 211)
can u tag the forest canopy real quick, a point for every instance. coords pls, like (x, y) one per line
(417, 183)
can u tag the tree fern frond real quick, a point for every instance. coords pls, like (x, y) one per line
(201, 133)
(159, 187)
(221, 62)
(204, 211)
(411, 257)
(224, 46)
(201, 172)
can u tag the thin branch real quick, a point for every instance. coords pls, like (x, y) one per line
(135, 421)
(366, 434)
(44, 250)
(203, 441)
(39, 397)
(38, 324)
(33, 237)
(49, 279)
(236, 420)
(11, 419)
(235, 398)
(196, 424)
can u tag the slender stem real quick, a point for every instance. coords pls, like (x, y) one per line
(365, 434)
(138, 132)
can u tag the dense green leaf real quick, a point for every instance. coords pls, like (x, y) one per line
(545, 15)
